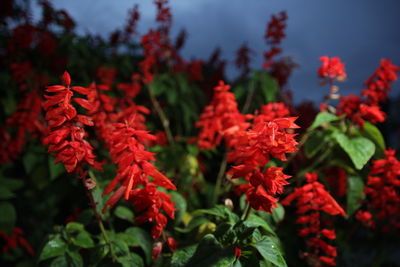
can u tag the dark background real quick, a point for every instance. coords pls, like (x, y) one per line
(361, 32)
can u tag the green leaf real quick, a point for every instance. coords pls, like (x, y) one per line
(5, 193)
(260, 222)
(11, 183)
(180, 205)
(269, 86)
(60, 261)
(74, 227)
(372, 132)
(278, 213)
(195, 222)
(124, 213)
(55, 247)
(225, 234)
(355, 194)
(244, 229)
(8, 217)
(322, 118)
(83, 240)
(142, 239)
(182, 256)
(211, 253)
(131, 259)
(55, 170)
(316, 142)
(74, 259)
(359, 149)
(270, 251)
(218, 211)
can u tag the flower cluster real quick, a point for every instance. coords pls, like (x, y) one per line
(252, 152)
(337, 180)
(312, 200)
(16, 239)
(331, 69)
(134, 168)
(273, 35)
(271, 111)
(378, 85)
(382, 189)
(66, 136)
(221, 120)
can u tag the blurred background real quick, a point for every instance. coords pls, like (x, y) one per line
(360, 32)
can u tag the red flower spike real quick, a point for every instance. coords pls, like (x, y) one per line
(66, 133)
(382, 192)
(252, 152)
(221, 120)
(134, 169)
(312, 199)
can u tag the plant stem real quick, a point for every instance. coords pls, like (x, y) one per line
(98, 216)
(221, 173)
(161, 114)
(246, 212)
(249, 97)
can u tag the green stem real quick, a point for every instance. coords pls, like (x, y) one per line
(98, 216)
(246, 212)
(249, 97)
(161, 114)
(221, 173)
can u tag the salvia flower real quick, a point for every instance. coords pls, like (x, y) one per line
(312, 201)
(66, 133)
(332, 68)
(253, 151)
(221, 120)
(382, 190)
(132, 179)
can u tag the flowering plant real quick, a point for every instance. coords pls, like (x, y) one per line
(120, 151)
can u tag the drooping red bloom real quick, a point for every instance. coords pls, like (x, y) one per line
(134, 169)
(221, 120)
(66, 137)
(332, 68)
(253, 151)
(133, 88)
(382, 190)
(16, 239)
(312, 200)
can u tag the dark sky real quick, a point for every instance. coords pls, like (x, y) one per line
(361, 32)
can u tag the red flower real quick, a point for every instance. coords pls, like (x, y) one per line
(252, 152)
(365, 218)
(243, 58)
(273, 36)
(332, 68)
(15, 240)
(221, 120)
(271, 111)
(172, 244)
(312, 199)
(337, 180)
(382, 190)
(66, 133)
(379, 84)
(134, 168)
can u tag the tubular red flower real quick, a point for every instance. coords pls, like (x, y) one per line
(312, 200)
(66, 136)
(221, 120)
(16, 239)
(332, 68)
(382, 191)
